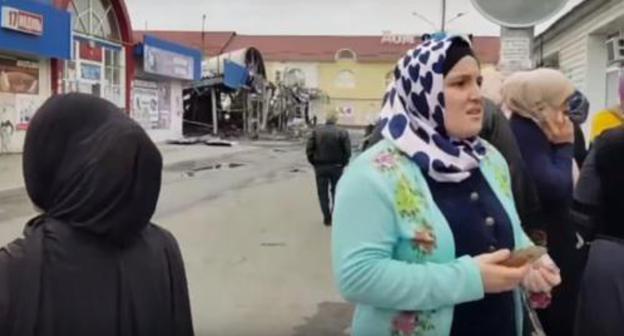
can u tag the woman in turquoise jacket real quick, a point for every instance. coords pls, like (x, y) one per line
(424, 218)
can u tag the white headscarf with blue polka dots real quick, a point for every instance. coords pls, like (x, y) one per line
(413, 115)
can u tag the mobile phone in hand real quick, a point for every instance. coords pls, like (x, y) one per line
(524, 256)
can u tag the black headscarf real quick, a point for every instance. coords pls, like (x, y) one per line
(91, 263)
(609, 167)
(89, 165)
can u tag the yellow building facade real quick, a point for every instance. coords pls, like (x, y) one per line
(355, 89)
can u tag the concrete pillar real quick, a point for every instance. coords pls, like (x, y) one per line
(215, 122)
(516, 49)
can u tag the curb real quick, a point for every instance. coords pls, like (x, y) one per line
(171, 166)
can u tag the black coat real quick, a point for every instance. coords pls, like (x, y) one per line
(328, 145)
(601, 299)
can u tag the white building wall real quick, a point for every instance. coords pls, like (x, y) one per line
(572, 60)
(582, 54)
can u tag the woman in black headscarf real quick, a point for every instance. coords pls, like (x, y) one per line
(92, 263)
(601, 298)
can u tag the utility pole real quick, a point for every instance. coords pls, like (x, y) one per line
(203, 36)
(443, 26)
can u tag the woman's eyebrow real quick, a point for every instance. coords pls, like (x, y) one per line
(462, 76)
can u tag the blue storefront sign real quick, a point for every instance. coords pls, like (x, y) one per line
(168, 59)
(35, 28)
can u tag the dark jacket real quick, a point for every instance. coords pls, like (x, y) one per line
(329, 146)
(497, 131)
(601, 301)
(588, 204)
(550, 168)
(580, 150)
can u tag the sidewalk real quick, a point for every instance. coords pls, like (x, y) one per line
(11, 172)
(11, 165)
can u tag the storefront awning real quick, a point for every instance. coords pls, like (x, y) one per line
(35, 29)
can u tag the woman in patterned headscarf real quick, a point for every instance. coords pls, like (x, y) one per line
(424, 218)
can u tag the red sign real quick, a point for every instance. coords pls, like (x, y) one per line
(22, 21)
(90, 53)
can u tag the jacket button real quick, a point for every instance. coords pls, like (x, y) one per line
(474, 196)
(490, 221)
(492, 248)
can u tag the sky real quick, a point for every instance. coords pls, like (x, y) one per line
(312, 17)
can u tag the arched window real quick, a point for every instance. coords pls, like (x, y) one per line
(95, 18)
(345, 79)
(345, 55)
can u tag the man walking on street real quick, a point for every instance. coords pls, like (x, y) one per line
(329, 151)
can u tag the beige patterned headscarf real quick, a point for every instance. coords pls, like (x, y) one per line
(529, 93)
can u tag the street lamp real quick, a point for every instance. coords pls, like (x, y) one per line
(422, 17)
(456, 17)
(444, 23)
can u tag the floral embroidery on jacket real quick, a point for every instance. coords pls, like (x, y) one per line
(424, 239)
(409, 323)
(501, 176)
(409, 202)
(386, 161)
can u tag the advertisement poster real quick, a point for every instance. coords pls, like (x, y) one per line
(145, 104)
(26, 106)
(164, 103)
(19, 76)
(7, 108)
(7, 121)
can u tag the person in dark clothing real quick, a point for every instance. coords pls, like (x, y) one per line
(545, 136)
(578, 110)
(92, 263)
(601, 300)
(329, 151)
(580, 150)
(497, 131)
(587, 204)
(368, 134)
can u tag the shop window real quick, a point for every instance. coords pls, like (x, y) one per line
(345, 79)
(103, 78)
(113, 72)
(95, 18)
(612, 95)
